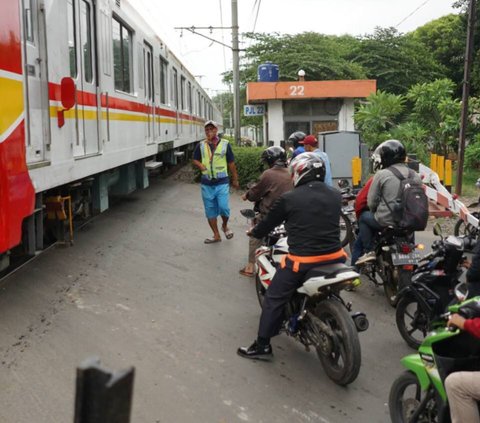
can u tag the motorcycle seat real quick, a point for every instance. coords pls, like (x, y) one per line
(328, 271)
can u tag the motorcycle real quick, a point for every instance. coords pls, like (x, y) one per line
(396, 258)
(424, 300)
(465, 229)
(348, 221)
(316, 315)
(418, 394)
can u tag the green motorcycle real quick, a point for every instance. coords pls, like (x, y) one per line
(418, 395)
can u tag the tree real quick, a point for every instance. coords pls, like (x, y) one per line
(396, 61)
(378, 115)
(445, 38)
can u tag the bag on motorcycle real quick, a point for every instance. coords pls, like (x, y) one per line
(411, 210)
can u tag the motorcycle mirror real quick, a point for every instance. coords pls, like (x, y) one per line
(461, 291)
(437, 230)
(248, 213)
(343, 183)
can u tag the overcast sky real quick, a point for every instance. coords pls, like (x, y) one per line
(209, 60)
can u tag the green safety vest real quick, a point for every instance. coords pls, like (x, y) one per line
(216, 166)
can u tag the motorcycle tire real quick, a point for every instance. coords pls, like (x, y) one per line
(401, 408)
(411, 318)
(343, 360)
(346, 231)
(465, 229)
(390, 286)
(260, 290)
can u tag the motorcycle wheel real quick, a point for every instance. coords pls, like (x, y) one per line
(390, 286)
(405, 397)
(260, 290)
(346, 231)
(340, 355)
(466, 229)
(411, 320)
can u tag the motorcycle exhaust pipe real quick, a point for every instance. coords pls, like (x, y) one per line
(361, 321)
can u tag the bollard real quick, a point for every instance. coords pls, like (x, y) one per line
(356, 171)
(433, 162)
(448, 175)
(103, 396)
(441, 168)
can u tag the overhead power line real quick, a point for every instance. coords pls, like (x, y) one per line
(412, 13)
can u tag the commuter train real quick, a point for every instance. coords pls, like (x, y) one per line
(91, 98)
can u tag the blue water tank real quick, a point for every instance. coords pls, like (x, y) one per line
(268, 72)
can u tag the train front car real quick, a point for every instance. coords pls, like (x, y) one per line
(17, 195)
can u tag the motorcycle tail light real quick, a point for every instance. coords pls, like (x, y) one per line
(408, 267)
(405, 248)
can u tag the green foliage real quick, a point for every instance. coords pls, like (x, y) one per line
(395, 60)
(445, 38)
(247, 161)
(414, 137)
(378, 115)
(472, 154)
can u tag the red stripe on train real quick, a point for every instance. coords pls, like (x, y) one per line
(17, 195)
(10, 46)
(88, 99)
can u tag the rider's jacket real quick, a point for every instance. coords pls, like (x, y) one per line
(473, 326)
(215, 166)
(312, 214)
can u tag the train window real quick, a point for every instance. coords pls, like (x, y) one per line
(183, 82)
(29, 21)
(86, 38)
(122, 56)
(72, 44)
(163, 80)
(175, 88)
(199, 110)
(148, 69)
(189, 97)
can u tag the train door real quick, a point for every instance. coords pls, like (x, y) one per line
(88, 107)
(36, 82)
(149, 93)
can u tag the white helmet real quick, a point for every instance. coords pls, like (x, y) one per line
(307, 167)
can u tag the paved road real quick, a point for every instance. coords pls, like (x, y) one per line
(140, 288)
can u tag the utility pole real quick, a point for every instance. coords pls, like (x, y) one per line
(236, 73)
(465, 93)
(235, 63)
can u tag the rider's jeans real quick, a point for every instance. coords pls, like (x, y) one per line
(367, 226)
(285, 282)
(463, 392)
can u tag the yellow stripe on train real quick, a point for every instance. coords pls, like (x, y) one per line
(116, 116)
(11, 105)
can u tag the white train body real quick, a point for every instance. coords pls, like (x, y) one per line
(134, 101)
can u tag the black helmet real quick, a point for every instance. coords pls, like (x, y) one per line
(274, 155)
(296, 137)
(307, 167)
(388, 153)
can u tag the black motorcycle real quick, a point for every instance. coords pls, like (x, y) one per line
(396, 259)
(422, 303)
(348, 221)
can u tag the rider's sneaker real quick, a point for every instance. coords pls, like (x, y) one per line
(256, 352)
(366, 258)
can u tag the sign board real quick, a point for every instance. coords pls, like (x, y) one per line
(254, 110)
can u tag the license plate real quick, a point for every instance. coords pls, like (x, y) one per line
(399, 259)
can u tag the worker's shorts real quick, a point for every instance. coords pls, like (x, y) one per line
(215, 200)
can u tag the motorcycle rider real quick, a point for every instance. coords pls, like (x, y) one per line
(296, 139)
(463, 388)
(310, 143)
(382, 195)
(311, 212)
(272, 183)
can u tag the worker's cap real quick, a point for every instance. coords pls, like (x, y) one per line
(211, 123)
(309, 140)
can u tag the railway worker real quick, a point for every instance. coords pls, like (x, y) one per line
(214, 157)
(272, 184)
(310, 143)
(311, 212)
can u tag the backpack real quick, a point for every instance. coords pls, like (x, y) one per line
(411, 210)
